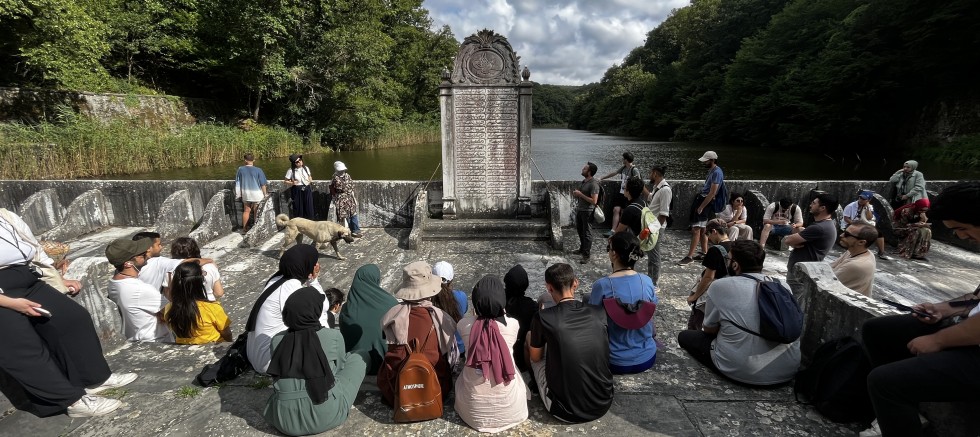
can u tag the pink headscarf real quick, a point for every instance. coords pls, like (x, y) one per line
(488, 350)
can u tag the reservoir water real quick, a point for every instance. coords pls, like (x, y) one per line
(560, 154)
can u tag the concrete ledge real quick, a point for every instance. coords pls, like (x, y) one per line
(264, 227)
(555, 221)
(217, 218)
(178, 215)
(42, 211)
(421, 216)
(89, 212)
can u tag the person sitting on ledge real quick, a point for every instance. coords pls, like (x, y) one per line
(856, 266)
(781, 219)
(520, 307)
(629, 298)
(360, 317)
(569, 351)
(928, 359)
(157, 268)
(191, 316)
(140, 304)
(725, 348)
(316, 381)
(715, 267)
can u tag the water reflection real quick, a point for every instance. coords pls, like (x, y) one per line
(561, 153)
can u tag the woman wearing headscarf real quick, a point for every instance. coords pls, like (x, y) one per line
(910, 185)
(629, 298)
(360, 317)
(298, 267)
(316, 381)
(490, 393)
(520, 307)
(416, 318)
(912, 226)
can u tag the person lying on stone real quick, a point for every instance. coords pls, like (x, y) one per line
(729, 350)
(191, 316)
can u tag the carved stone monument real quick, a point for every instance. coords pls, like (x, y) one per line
(486, 131)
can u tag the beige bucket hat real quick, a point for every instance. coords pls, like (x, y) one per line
(418, 282)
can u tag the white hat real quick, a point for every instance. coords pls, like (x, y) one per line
(443, 270)
(418, 282)
(339, 166)
(708, 155)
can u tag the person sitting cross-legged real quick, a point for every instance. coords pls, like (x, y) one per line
(569, 351)
(724, 347)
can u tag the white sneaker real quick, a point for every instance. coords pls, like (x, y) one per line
(874, 431)
(91, 406)
(115, 380)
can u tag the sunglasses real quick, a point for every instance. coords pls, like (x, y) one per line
(847, 234)
(608, 247)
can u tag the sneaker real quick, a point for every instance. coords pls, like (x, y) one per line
(699, 257)
(115, 380)
(576, 251)
(356, 234)
(685, 261)
(874, 431)
(91, 406)
(883, 257)
(584, 260)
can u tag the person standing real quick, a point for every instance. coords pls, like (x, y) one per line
(627, 171)
(587, 196)
(251, 187)
(660, 199)
(703, 206)
(299, 178)
(813, 242)
(910, 185)
(856, 266)
(50, 354)
(342, 189)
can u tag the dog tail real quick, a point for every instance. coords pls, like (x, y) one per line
(282, 219)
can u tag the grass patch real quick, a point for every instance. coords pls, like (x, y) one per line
(261, 383)
(963, 151)
(115, 393)
(187, 391)
(398, 134)
(79, 147)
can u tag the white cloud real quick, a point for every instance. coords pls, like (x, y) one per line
(563, 42)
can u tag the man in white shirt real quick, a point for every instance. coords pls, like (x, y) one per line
(140, 304)
(157, 269)
(861, 211)
(659, 199)
(781, 218)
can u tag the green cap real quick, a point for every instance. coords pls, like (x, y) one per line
(124, 249)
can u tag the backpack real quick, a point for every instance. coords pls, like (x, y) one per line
(418, 395)
(835, 382)
(780, 318)
(597, 215)
(649, 228)
(233, 363)
(721, 197)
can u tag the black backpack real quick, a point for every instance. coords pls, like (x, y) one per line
(835, 382)
(780, 317)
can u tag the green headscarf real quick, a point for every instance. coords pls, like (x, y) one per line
(360, 318)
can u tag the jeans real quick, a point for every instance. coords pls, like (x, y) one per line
(355, 226)
(900, 380)
(583, 224)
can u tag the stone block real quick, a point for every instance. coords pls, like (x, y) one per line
(217, 219)
(554, 220)
(178, 215)
(94, 273)
(42, 211)
(88, 212)
(418, 222)
(264, 227)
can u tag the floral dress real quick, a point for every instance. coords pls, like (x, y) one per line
(911, 227)
(343, 186)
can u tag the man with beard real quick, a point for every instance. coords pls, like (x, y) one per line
(856, 267)
(703, 206)
(587, 196)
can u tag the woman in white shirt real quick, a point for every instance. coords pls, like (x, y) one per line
(187, 248)
(300, 180)
(735, 215)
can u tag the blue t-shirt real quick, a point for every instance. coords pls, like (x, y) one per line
(249, 182)
(461, 300)
(627, 347)
(715, 176)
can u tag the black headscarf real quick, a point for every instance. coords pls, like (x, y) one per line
(515, 282)
(296, 263)
(299, 354)
(489, 299)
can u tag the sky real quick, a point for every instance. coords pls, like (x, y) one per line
(563, 42)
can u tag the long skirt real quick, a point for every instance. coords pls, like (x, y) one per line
(302, 201)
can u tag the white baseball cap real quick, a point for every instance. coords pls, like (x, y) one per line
(708, 155)
(339, 166)
(443, 270)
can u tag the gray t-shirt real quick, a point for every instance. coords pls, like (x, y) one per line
(588, 188)
(737, 354)
(820, 238)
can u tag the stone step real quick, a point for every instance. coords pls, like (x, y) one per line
(487, 229)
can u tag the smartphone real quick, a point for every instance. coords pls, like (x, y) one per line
(43, 311)
(964, 303)
(901, 307)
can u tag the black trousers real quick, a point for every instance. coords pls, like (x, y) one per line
(900, 380)
(46, 362)
(583, 224)
(698, 344)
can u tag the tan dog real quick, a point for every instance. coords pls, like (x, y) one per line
(321, 232)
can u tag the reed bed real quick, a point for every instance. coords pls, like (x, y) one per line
(84, 148)
(398, 134)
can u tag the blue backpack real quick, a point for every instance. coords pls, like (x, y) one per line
(780, 318)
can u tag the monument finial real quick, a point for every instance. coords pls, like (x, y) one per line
(525, 73)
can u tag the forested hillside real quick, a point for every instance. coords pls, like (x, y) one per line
(343, 69)
(826, 73)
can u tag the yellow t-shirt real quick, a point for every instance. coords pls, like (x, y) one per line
(209, 327)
